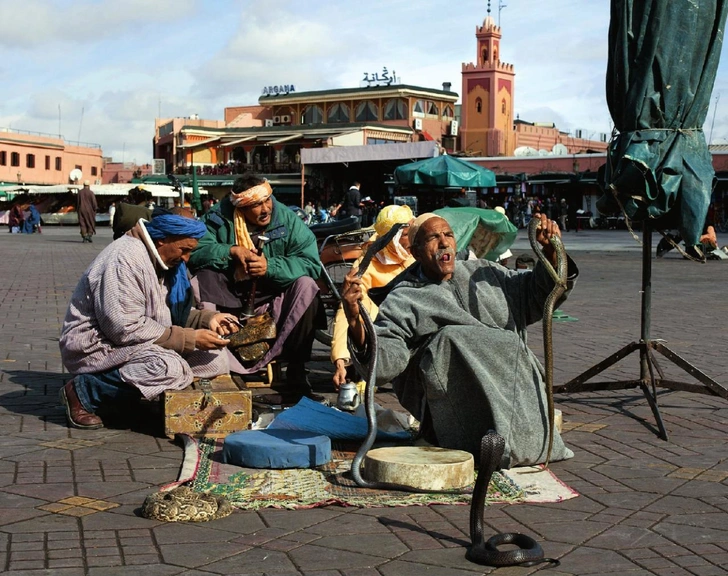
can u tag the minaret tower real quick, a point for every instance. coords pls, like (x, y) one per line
(486, 114)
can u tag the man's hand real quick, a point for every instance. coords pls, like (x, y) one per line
(209, 340)
(340, 374)
(241, 255)
(547, 229)
(224, 324)
(351, 294)
(256, 264)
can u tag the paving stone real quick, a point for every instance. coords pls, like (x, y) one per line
(200, 553)
(385, 545)
(253, 561)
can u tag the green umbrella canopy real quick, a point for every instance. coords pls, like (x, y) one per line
(488, 232)
(663, 58)
(445, 171)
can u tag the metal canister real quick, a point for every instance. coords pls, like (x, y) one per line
(348, 397)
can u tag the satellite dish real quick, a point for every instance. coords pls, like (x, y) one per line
(559, 149)
(75, 175)
(525, 151)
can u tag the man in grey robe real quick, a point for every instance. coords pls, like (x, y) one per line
(86, 209)
(452, 339)
(130, 329)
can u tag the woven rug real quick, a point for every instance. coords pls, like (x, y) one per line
(332, 484)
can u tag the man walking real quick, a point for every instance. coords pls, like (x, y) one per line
(86, 208)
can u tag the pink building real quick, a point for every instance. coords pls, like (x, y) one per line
(35, 158)
(123, 172)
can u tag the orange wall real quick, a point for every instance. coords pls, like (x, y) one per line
(40, 147)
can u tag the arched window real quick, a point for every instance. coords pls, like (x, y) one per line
(338, 113)
(366, 111)
(448, 112)
(419, 108)
(503, 106)
(485, 54)
(495, 54)
(432, 109)
(395, 109)
(478, 105)
(312, 115)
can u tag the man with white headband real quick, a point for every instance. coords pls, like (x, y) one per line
(226, 262)
(452, 341)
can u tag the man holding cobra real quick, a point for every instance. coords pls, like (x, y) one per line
(452, 340)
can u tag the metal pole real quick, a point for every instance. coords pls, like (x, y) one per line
(302, 184)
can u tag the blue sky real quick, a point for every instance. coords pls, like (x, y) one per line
(113, 66)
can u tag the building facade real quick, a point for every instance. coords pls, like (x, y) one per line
(35, 158)
(487, 124)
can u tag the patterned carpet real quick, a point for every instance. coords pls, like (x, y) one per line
(251, 489)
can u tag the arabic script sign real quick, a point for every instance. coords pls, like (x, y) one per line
(278, 90)
(383, 78)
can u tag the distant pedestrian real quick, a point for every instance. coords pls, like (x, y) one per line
(112, 212)
(86, 209)
(563, 215)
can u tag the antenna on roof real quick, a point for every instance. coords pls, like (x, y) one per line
(500, 7)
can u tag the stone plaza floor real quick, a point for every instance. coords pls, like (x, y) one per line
(70, 499)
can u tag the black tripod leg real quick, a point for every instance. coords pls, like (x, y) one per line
(651, 392)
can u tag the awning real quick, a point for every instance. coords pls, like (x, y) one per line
(239, 141)
(200, 143)
(369, 153)
(285, 139)
(427, 136)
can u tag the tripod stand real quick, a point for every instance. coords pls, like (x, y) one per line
(651, 375)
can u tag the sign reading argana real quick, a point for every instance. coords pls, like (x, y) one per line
(276, 90)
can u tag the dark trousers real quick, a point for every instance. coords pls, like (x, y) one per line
(104, 390)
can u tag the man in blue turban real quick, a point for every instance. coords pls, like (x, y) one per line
(131, 330)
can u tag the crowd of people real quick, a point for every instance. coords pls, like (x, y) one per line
(160, 305)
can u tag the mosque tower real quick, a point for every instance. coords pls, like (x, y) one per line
(486, 113)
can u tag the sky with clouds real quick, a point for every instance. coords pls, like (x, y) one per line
(112, 67)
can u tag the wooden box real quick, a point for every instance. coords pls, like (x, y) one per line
(213, 408)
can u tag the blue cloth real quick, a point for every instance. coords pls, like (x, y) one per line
(173, 225)
(179, 297)
(314, 417)
(278, 449)
(31, 221)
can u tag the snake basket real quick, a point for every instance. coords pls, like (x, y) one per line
(213, 408)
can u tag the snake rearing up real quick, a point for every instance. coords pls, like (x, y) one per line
(558, 275)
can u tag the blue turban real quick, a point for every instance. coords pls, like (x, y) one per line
(179, 297)
(173, 225)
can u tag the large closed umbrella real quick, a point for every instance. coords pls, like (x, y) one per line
(487, 232)
(444, 171)
(663, 57)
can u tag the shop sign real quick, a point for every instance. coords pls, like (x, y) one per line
(280, 90)
(383, 78)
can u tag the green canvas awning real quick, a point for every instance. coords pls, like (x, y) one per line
(487, 232)
(444, 171)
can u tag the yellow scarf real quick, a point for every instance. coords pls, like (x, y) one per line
(240, 200)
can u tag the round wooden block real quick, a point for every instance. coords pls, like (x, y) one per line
(421, 467)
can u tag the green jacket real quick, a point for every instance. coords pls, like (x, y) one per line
(291, 251)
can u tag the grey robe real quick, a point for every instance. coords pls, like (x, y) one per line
(116, 314)
(460, 347)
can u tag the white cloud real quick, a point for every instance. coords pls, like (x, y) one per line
(127, 61)
(34, 23)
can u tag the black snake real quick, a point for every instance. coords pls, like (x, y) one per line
(558, 275)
